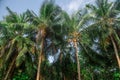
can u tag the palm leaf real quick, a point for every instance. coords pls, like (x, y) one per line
(21, 56)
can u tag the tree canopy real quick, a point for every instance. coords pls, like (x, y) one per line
(54, 45)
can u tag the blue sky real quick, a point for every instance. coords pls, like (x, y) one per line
(20, 6)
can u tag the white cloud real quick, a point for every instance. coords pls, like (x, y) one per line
(74, 5)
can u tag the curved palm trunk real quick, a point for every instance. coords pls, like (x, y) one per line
(77, 58)
(12, 65)
(41, 57)
(10, 68)
(116, 51)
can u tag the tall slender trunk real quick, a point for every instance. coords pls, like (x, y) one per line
(10, 68)
(65, 78)
(39, 77)
(60, 58)
(77, 58)
(116, 51)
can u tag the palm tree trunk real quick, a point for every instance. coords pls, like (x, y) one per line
(77, 58)
(39, 77)
(10, 68)
(60, 58)
(65, 77)
(116, 51)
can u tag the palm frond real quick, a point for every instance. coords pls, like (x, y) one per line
(21, 56)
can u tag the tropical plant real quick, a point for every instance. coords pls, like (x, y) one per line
(104, 23)
(49, 26)
(18, 43)
(76, 24)
(56, 46)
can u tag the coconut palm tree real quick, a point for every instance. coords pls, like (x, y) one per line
(104, 22)
(76, 25)
(48, 24)
(15, 33)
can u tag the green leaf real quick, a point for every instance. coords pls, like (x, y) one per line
(21, 56)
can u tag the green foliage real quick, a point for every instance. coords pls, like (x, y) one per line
(90, 28)
(116, 75)
(21, 57)
(21, 76)
(86, 74)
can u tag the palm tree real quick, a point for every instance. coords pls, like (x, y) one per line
(104, 19)
(47, 23)
(76, 24)
(17, 41)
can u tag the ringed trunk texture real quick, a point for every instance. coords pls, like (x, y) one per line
(116, 51)
(77, 58)
(41, 58)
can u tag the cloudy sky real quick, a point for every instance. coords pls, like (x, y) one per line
(20, 6)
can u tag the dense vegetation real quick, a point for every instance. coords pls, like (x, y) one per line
(56, 46)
